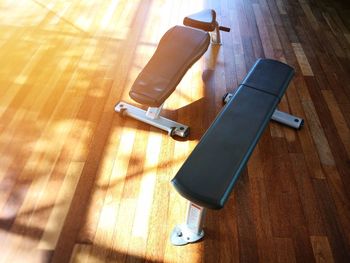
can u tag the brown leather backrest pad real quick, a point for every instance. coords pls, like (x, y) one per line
(205, 20)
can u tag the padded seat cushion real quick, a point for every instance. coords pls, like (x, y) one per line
(208, 175)
(177, 51)
(210, 172)
(205, 20)
(270, 76)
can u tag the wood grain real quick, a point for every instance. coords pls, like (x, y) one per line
(321, 249)
(80, 183)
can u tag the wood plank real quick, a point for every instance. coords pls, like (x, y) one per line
(53, 226)
(318, 135)
(340, 249)
(338, 118)
(336, 152)
(79, 183)
(307, 195)
(260, 208)
(302, 59)
(321, 249)
(285, 203)
(247, 240)
(284, 250)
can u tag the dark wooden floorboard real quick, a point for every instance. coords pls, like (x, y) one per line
(80, 183)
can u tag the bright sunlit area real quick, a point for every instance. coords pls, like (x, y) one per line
(139, 131)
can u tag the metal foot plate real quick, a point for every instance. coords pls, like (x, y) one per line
(183, 235)
(287, 119)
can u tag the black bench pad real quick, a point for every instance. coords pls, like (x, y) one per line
(210, 172)
(269, 76)
(179, 48)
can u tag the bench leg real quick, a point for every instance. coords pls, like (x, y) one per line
(192, 230)
(216, 37)
(152, 117)
(279, 116)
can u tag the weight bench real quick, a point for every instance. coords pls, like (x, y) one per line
(208, 176)
(177, 51)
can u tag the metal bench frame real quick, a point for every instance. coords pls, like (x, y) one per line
(152, 117)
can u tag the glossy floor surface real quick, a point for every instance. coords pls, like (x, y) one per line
(79, 183)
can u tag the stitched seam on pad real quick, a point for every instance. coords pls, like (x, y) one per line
(264, 91)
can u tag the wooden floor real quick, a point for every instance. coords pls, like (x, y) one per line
(79, 183)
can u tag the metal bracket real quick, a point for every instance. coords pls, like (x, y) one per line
(287, 119)
(153, 112)
(216, 37)
(227, 97)
(192, 230)
(152, 117)
(279, 116)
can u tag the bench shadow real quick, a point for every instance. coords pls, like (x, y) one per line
(198, 115)
(195, 115)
